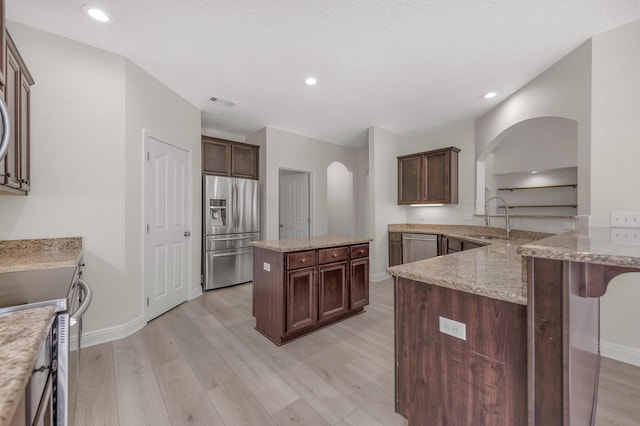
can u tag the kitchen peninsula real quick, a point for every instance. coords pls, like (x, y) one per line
(526, 327)
(300, 285)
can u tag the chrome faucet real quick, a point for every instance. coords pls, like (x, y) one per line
(506, 212)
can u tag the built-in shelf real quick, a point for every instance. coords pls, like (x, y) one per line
(542, 206)
(572, 185)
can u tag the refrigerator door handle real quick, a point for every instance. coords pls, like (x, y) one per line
(231, 252)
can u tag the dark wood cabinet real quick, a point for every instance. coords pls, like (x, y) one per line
(444, 380)
(16, 176)
(333, 290)
(221, 157)
(302, 300)
(395, 248)
(298, 292)
(454, 245)
(429, 177)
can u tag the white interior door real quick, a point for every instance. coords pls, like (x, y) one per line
(295, 220)
(168, 213)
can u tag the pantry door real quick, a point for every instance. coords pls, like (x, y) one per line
(168, 227)
(295, 220)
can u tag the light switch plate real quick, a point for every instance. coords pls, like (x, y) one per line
(266, 266)
(453, 328)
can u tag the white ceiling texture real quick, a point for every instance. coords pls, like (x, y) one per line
(404, 65)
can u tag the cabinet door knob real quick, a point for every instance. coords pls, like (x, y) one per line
(335, 254)
(304, 260)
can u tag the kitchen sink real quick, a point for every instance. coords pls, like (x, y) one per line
(486, 237)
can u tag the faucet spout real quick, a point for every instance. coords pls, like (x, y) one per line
(506, 213)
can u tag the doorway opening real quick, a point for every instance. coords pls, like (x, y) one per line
(294, 204)
(340, 200)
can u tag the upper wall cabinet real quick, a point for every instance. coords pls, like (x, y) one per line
(15, 178)
(429, 177)
(227, 158)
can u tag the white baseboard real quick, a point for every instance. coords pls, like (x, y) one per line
(195, 292)
(620, 353)
(105, 335)
(379, 277)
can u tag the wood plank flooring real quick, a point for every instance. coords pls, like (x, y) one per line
(203, 363)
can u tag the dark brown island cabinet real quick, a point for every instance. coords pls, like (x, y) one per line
(395, 248)
(17, 81)
(429, 177)
(295, 293)
(221, 157)
(444, 380)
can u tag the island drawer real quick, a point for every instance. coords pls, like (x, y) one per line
(361, 250)
(334, 254)
(301, 259)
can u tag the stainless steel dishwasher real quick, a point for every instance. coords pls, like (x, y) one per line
(418, 247)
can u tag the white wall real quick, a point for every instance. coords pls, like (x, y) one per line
(615, 173)
(87, 114)
(77, 164)
(287, 150)
(383, 196)
(461, 136)
(538, 144)
(150, 105)
(563, 90)
(340, 200)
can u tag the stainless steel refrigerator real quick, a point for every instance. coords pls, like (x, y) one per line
(231, 220)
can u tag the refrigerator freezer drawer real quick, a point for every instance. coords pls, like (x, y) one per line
(227, 267)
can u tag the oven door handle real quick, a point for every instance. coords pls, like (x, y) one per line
(88, 295)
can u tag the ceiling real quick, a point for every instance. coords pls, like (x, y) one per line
(404, 65)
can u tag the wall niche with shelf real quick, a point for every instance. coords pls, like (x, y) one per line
(544, 193)
(533, 167)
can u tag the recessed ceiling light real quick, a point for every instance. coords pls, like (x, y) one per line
(489, 95)
(311, 81)
(534, 172)
(96, 13)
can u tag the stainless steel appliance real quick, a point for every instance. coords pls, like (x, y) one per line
(418, 246)
(62, 288)
(6, 130)
(230, 222)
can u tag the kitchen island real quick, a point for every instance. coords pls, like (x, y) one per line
(529, 315)
(301, 285)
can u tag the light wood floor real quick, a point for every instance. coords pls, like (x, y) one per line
(204, 364)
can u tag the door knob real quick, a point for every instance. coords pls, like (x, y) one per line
(187, 233)
(281, 225)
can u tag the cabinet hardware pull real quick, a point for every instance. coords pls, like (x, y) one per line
(335, 254)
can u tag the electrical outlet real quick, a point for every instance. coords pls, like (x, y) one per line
(625, 235)
(625, 219)
(266, 266)
(453, 328)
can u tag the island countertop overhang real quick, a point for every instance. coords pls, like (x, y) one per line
(310, 243)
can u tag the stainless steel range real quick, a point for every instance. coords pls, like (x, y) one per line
(64, 289)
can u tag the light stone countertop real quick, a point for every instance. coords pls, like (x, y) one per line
(21, 336)
(600, 245)
(494, 270)
(311, 243)
(25, 255)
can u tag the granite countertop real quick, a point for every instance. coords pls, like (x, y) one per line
(605, 246)
(22, 332)
(310, 243)
(21, 336)
(24, 255)
(494, 270)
